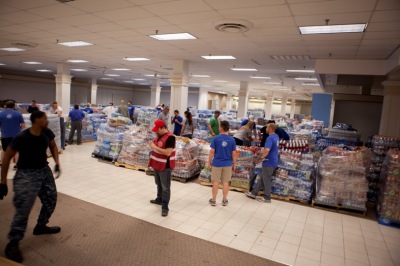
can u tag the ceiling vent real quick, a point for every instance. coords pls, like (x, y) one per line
(233, 25)
(290, 57)
(24, 45)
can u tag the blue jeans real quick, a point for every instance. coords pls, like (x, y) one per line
(163, 182)
(265, 182)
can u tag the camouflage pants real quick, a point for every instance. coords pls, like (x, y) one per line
(29, 184)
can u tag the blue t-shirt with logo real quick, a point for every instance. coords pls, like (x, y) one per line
(223, 145)
(131, 109)
(76, 115)
(272, 144)
(10, 123)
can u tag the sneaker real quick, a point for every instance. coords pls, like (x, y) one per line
(164, 213)
(155, 202)
(212, 202)
(46, 230)
(225, 202)
(264, 200)
(13, 253)
(250, 195)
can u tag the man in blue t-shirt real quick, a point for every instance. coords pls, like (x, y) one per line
(131, 110)
(222, 160)
(177, 120)
(88, 109)
(11, 124)
(270, 161)
(75, 117)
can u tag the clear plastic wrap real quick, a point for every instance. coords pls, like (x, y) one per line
(186, 151)
(109, 141)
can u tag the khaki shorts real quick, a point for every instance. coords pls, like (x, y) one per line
(221, 174)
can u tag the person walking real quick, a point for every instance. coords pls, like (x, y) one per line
(222, 160)
(213, 126)
(123, 109)
(131, 110)
(34, 178)
(188, 127)
(33, 107)
(11, 124)
(162, 160)
(75, 117)
(243, 133)
(177, 120)
(270, 160)
(164, 115)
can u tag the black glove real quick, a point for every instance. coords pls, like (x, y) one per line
(3, 191)
(57, 171)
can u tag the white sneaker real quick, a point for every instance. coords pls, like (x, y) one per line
(250, 195)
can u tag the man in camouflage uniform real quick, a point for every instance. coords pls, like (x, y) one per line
(34, 178)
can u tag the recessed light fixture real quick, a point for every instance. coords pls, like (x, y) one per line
(173, 36)
(1, 64)
(12, 49)
(121, 69)
(243, 69)
(143, 84)
(328, 29)
(218, 57)
(200, 76)
(256, 77)
(138, 79)
(76, 61)
(112, 75)
(310, 84)
(280, 87)
(136, 59)
(32, 63)
(301, 70)
(75, 43)
(44, 70)
(220, 81)
(106, 78)
(129, 81)
(194, 83)
(272, 83)
(306, 79)
(78, 70)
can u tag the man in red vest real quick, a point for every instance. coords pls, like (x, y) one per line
(162, 160)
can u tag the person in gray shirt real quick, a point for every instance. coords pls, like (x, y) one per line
(164, 115)
(123, 109)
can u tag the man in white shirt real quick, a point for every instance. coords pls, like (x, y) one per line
(55, 109)
(109, 110)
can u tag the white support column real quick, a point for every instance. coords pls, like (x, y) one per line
(390, 122)
(268, 106)
(228, 101)
(243, 99)
(283, 106)
(179, 86)
(203, 98)
(63, 86)
(292, 108)
(155, 93)
(93, 92)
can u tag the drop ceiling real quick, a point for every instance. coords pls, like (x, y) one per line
(119, 29)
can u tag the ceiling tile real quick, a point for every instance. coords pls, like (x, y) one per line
(23, 4)
(66, 31)
(147, 2)
(100, 5)
(198, 17)
(273, 31)
(332, 49)
(273, 22)
(108, 26)
(383, 26)
(344, 18)
(332, 7)
(46, 25)
(161, 30)
(55, 11)
(257, 12)
(388, 5)
(81, 20)
(385, 16)
(304, 1)
(20, 17)
(332, 42)
(124, 14)
(383, 48)
(39, 34)
(177, 7)
(143, 23)
(119, 33)
(382, 35)
(5, 23)
(218, 4)
(6, 9)
(381, 42)
(16, 29)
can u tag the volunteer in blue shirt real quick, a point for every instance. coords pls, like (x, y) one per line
(11, 124)
(75, 117)
(177, 120)
(131, 110)
(88, 109)
(222, 160)
(270, 161)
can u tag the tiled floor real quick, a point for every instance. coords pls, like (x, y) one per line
(280, 231)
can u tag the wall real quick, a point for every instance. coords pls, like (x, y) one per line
(219, 98)
(80, 94)
(321, 107)
(363, 116)
(105, 96)
(26, 91)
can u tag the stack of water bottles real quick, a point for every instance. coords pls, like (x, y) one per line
(109, 141)
(185, 158)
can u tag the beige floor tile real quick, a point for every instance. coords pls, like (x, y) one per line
(287, 247)
(284, 257)
(266, 242)
(355, 256)
(332, 260)
(262, 251)
(332, 240)
(289, 238)
(309, 254)
(241, 245)
(375, 261)
(300, 261)
(312, 236)
(311, 244)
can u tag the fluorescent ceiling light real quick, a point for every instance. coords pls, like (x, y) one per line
(243, 69)
(129, 81)
(121, 69)
(12, 49)
(78, 69)
(218, 57)
(255, 77)
(280, 87)
(1, 64)
(306, 79)
(174, 36)
(106, 78)
(272, 83)
(44, 70)
(136, 59)
(32, 63)
(327, 29)
(195, 83)
(200, 76)
(143, 84)
(310, 84)
(75, 43)
(112, 75)
(301, 70)
(138, 79)
(149, 75)
(76, 61)
(221, 81)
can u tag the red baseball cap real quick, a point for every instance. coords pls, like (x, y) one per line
(158, 124)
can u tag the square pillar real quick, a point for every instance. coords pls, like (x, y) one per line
(179, 86)
(63, 87)
(243, 99)
(268, 107)
(203, 98)
(283, 106)
(155, 93)
(93, 92)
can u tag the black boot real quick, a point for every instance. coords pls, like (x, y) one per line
(13, 253)
(45, 230)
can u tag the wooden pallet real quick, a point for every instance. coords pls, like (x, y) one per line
(88, 140)
(338, 208)
(243, 190)
(102, 157)
(132, 167)
(185, 180)
(290, 198)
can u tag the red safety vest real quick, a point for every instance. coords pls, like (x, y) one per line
(159, 161)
